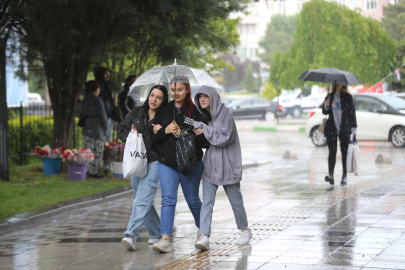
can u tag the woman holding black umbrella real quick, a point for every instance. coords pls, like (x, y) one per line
(340, 125)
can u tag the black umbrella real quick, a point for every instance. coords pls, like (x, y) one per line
(329, 75)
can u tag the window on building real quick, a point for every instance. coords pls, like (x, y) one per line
(354, 4)
(254, 28)
(394, 2)
(252, 52)
(340, 2)
(269, 4)
(371, 4)
(300, 2)
(281, 5)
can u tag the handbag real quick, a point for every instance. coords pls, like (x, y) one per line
(186, 151)
(356, 158)
(322, 124)
(135, 162)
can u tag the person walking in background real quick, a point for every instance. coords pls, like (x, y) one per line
(128, 102)
(222, 163)
(95, 125)
(166, 129)
(102, 76)
(144, 212)
(340, 125)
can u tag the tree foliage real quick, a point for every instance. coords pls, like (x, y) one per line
(393, 20)
(269, 91)
(332, 35)
(71, 35)
(250, 82)
(278, 37)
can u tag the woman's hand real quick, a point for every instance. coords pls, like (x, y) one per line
(134, 130)
(172, 128)
(327, 102)
(156, 128)
(198, 131)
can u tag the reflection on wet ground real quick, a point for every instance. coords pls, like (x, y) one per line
(298, 220)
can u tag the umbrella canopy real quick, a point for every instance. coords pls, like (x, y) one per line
(329, 75)
(163, 75)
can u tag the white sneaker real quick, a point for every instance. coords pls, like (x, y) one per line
(198, 236)
(128, 242)
(153, 241)
(163, 246)
(203, 243)
(244, 238)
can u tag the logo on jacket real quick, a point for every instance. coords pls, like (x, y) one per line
(188, 121)
(136, 154)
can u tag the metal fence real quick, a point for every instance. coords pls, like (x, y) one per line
(29, 126)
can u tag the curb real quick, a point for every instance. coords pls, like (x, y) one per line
(35, 220)
(32, 221)
(280, 128)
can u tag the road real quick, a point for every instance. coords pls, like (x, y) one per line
(298, 220)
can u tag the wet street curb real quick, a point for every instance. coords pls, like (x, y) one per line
(104, 197)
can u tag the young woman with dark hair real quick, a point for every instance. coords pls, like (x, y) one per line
(166, 129)
(222, 164)
(340, 125)
(144, 212)
(95, 125)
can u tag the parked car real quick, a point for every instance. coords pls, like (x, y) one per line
(379, 118)
(400, 95)
(259, 108)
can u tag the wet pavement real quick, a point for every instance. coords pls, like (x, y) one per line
(298, 220)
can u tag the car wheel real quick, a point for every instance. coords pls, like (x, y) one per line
(270, 117)
(318, 138)
(296, 112)
(398, 137)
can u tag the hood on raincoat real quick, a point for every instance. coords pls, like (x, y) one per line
(215, 101)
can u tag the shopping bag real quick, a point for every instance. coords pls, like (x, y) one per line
(185, 151)
(322, 125)
(349, 159)
(135, 161)
(356, 157)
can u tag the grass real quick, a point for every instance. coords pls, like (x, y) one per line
(30, 188)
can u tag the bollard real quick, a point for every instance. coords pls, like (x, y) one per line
(383, 159)
(290, 155)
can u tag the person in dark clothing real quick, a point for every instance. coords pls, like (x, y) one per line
(166, 129)
(340, 125)
(95, 125)
(102, 76)
(128, 102)
(144, 212)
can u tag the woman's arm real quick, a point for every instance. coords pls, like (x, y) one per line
(326, 106)
(221, 137)
(125, 126)
(161, 135)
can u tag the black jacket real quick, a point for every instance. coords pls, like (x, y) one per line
(106, 95)
(348, 116)
(95, 117)
(127, 102)
(137, 117)
(166, 143)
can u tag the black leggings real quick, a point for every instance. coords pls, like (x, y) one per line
(332, 145)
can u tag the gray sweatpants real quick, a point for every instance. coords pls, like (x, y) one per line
(235, 198)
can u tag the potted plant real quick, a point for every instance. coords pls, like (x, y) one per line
(51, 158)
(78, 161)
(114, 154)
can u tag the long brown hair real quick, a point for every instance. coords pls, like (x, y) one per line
(344, 88)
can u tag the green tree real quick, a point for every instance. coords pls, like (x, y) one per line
(332, 35)
(71, 35)
(278, 37)
(251, 83)
(269, 91)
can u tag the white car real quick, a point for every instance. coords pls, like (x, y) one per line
(379, 118)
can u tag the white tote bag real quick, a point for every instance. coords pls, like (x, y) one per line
(356, 159)
(135, 157)
(349, 159)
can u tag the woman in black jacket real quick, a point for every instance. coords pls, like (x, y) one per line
(144, 211)
(95, 125)
(341, 124)
(166, 129)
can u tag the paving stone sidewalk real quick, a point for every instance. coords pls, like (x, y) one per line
(298, 222)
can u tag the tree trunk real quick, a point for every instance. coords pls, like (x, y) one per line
(4, 166)
(65, 79)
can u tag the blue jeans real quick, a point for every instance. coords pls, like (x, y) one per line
(144, 211)
(169, 178)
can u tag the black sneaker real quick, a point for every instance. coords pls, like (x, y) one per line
(344, 180)
(330, 180)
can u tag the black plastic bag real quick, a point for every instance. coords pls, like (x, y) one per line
(186, 152)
